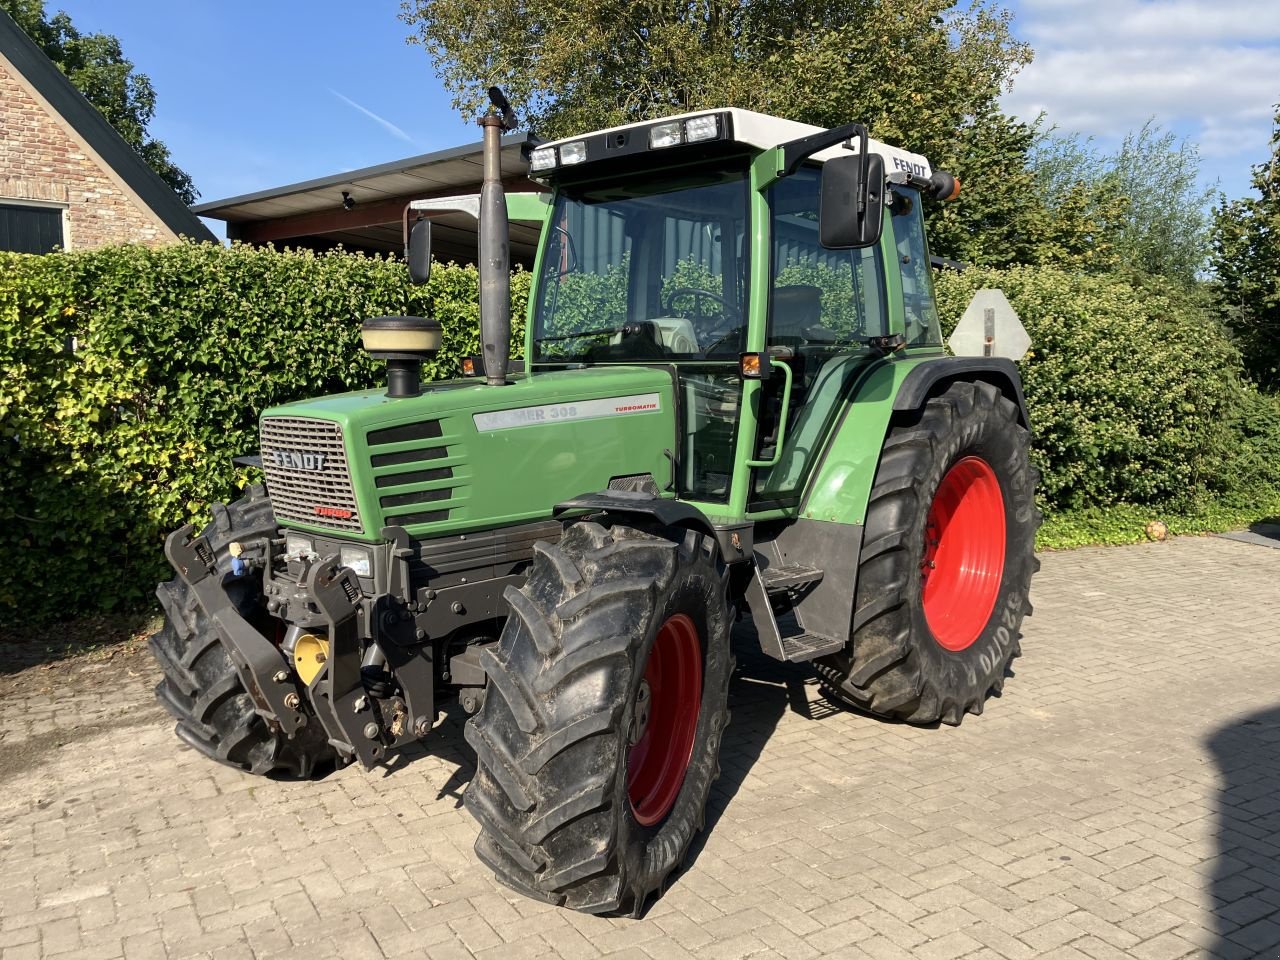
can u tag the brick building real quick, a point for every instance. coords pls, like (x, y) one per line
(67, 179)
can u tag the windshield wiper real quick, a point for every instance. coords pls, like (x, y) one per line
(604, 331)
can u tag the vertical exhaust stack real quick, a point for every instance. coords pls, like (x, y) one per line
(495, 246)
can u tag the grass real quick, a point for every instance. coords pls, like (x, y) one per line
(1126, 523)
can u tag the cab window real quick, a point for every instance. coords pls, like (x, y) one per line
(922, 328)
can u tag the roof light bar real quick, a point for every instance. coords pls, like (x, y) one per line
(544, 158)
(666, 134)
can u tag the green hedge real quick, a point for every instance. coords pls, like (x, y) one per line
(1136, 394)
(109, 447)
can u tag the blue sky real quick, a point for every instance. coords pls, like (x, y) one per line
(256, 95)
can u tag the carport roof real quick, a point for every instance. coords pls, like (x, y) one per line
(428, 174)
(312, 212)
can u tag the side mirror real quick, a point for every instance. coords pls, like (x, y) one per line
(851, 207)
(418, 252)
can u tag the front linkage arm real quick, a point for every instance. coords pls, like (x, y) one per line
(256, 658)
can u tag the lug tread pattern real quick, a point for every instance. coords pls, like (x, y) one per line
(545, 797)
(884, 669)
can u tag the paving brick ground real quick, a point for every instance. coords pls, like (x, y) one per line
(1122, 799)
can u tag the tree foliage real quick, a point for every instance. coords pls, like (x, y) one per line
(1246, 259)
(96, 65)
(925, 75)
(1139, 209)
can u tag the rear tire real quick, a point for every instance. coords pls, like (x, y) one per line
(201, 687)
(946, 563)
(577, 804)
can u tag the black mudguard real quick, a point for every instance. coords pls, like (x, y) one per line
(932, 378)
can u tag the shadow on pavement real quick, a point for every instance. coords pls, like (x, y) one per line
(761, 691)
(1246, 877)
(1269, 528)
(29, 645)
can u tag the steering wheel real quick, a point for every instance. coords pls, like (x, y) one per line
(675, 292)
(704, 330)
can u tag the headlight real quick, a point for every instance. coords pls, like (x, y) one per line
(701, 128)
(296, 547)
(665, 134)
(358, 559)
(574, 152)
(543, 158)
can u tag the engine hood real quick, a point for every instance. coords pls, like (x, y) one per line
(464, 456)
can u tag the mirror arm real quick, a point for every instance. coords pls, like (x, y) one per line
(797, 151)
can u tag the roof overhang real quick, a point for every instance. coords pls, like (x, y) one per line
(371, 218)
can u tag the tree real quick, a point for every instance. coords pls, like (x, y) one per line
(926, 75)
(1246, 259)
(97, 67)
(1139, 210)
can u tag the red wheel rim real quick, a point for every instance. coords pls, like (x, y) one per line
(664, 720)
(963, 553)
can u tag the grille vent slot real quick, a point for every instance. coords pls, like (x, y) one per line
(305, 462)
(407, 509)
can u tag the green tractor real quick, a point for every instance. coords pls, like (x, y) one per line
(734, 404)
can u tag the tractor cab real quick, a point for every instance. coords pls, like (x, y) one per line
(701, 243)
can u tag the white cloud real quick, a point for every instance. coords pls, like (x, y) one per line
(1208, 68)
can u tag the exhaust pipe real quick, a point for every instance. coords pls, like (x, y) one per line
(495, 246)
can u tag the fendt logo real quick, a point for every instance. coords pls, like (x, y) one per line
(338, 513)
(298, 460)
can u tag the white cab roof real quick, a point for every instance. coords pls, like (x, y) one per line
(763, 131)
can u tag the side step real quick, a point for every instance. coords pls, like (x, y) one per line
(810, 646)
(787, 577)
(797, 644)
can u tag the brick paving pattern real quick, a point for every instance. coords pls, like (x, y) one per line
(1122, 799)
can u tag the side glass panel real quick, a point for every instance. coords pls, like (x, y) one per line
(922, 327)
(823, 306)
(710, 396)
(821, 297)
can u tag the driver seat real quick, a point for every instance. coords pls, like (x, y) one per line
(796, 309)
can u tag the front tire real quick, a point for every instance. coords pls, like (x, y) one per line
(600, 732)
(946, 563)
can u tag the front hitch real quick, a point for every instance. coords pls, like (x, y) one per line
(257, 660)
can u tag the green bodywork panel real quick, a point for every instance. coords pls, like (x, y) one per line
(841, 485)
(514, 452)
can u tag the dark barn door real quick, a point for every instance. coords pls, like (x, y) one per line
(26, 229)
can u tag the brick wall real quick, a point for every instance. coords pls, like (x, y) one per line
(41, 159)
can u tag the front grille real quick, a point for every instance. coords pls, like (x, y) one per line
(305, 463)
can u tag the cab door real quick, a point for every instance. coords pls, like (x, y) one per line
(823, 307)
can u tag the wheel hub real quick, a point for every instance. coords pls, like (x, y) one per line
(963, 560)
(640, 712)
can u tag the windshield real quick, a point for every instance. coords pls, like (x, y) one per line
(647, 271)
